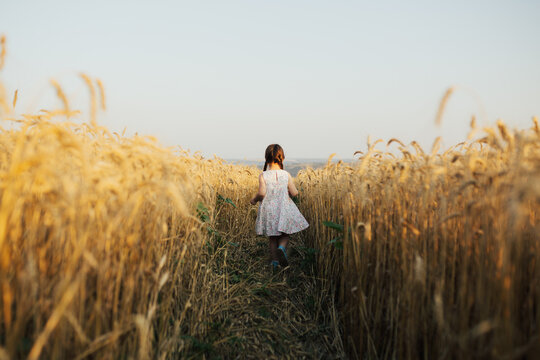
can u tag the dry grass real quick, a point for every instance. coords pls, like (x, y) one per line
(252, 313)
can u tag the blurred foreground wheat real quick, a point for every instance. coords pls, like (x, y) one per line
(101, 245)
(100, 239)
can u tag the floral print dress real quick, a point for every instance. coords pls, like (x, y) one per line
(277, 213)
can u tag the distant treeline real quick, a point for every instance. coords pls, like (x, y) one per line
(293, 166)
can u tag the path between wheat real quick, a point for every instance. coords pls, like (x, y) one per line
(259, 314)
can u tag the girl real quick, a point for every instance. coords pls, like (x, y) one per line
(278, 215)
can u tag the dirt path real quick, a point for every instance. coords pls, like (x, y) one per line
(263, 315)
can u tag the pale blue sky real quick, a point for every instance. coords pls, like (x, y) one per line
(231, 77)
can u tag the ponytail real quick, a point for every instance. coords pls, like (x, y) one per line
(274, 154)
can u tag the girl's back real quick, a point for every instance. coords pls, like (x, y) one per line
(278, 214)
(276, 185)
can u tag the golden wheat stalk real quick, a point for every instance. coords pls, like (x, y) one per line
(62, 96)
(15, 95)
(93, 102)
(536, 127)
(2, 51)
(442, 105)
(101, 94)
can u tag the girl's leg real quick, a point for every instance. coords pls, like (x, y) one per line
(273, 242)
(282, 243)
(283, 240)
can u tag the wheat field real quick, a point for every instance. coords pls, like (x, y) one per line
(436, 253)
(117, 247)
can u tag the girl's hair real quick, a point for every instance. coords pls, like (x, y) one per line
(274, 154)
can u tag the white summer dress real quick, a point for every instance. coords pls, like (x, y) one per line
(277, 213)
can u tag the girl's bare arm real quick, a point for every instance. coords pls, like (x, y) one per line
(261, 193)
(292, 188)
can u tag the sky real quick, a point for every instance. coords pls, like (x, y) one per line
(230, 77)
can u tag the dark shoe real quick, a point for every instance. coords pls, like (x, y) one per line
(274, 265)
